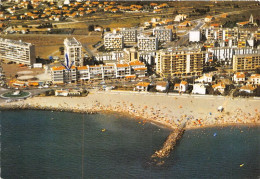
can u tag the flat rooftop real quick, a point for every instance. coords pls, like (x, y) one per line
(16, 42)
(72, 42)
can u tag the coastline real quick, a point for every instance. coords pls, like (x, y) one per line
(163, 110)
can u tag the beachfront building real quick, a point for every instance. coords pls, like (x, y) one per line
(114, 41)
(254, 79)
(239, 77)
(146, 43)
(205, 78)
(142, 86)
(17, 51)
(161, 86)
(162, 34)
(129, 34)
(247, 88)
(108, 71)
(61, 75)
(83, 73)
(181, 87)
(122, 70)
(219, 87)
(249, 62)
(199, 88)
(180, 62)
(138, 68)
(73, 49)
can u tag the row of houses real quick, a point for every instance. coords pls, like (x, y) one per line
(131, 70)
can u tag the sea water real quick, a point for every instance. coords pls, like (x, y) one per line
(45, 144)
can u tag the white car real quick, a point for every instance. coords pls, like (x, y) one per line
(40, 87)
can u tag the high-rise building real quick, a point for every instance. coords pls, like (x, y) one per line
(146, 43)
(17, 51)
(163, 34)
(113, 41)
(194, 36)
(73, 49)
(129, 34)
(180, 63)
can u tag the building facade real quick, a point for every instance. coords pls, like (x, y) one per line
(180, 63)
(243, 63)
(146, 43)
(17, 51)
(114, 41)
(162, 34)
(129, 34)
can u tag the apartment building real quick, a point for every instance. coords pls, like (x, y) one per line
(129, 34)
(122, 70)
(138, 68)
(146, 43)
(248, 62)
(225, 54)
(17, 51)
(113, 41)
(61, 75)
(73, 49)
(162, 34)
(83, 73)
(180, 63)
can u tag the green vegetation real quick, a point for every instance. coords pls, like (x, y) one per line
(10, 95)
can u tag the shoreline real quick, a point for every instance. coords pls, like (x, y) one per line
(139, 108)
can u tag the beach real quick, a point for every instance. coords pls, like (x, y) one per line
(167, 110)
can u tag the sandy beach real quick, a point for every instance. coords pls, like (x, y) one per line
(167, 110)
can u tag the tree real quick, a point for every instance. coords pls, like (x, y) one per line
(91, 27)
(61, 50)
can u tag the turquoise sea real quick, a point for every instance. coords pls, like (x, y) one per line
(45, 144)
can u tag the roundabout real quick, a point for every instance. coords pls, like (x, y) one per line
(15, 94)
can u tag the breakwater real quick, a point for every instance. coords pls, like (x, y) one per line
(158, 157)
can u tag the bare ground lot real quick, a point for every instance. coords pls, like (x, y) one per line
(48, 44)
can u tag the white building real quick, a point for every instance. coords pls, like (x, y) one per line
(206, 78)
(161, 86)
(146, 43)
(61, 75)
(113, 41)
(181, 87)
(180, 17)
(73, 49)
(254, 79)
(194, 36)
(239, 77)
(199, 89)
(129, 34)
(17, 51)
(163, 34)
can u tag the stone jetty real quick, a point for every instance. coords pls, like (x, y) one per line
(168, 146)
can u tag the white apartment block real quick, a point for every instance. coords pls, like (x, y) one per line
(225, 54)
(146, 43)
(17, 51)
(129, 34)
(113, 57)
(114, 41)
(61, 75)
(194, 36)
(163, 34)
(73, 49)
